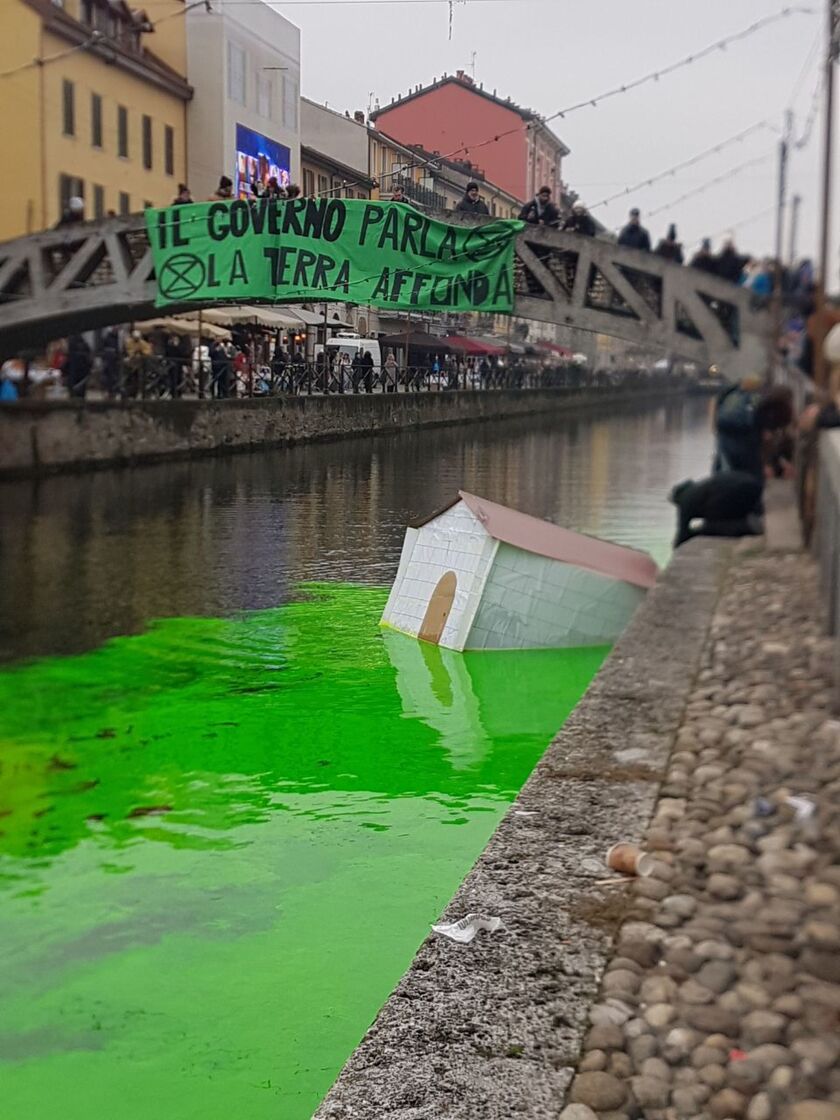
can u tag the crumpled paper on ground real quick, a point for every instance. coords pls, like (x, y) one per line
(465, 929)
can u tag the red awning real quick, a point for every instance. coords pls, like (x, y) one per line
(553, 348)
(471, 345)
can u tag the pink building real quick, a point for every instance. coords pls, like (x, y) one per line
(454, 115)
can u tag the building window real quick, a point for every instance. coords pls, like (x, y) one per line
(350, 194)
(98, 201)
(169, 150)
(236, 73)
(308, 182)
(290, 103)
(264, 95)
(125, 203)
(122, 131)
(96, 120)
(323, 184)
(147, 142)
(68, 107)
(69, 186)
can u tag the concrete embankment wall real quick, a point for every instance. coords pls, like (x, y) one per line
(41, 437)
(494, 1028)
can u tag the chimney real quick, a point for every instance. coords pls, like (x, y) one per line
(359, 117)
(459, 74)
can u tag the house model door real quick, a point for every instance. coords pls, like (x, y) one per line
(438, 609)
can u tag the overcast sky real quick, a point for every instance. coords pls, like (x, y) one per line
(549, 53)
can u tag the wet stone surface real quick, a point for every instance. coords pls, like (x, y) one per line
(735, 1008)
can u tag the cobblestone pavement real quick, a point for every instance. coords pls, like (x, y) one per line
(722, 998)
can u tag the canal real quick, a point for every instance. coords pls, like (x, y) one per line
(229, 805)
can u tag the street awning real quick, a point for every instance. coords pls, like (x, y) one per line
(417, 341)
(472, 345)
(271, 317)
(553, 348)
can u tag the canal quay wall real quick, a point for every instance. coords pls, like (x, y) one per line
(44, 437)
(494, 1029)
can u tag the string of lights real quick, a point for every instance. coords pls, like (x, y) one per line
(744, 221)
(653, 76)
(811, 118)
(760, 126)
(723, 178)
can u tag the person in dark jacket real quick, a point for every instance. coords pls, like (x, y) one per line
(726, 505)
(541, 211)
(471, 203)
(109, 349)
(729, 264)
(703, 258)
(77, 365)
(669, 247)
(634, 235)
(367, 371)
(580, 221)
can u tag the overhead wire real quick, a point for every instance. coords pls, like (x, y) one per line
(740, 136)
(655, 75)
(723, 178)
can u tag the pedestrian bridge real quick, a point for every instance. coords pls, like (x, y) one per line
(97, 273)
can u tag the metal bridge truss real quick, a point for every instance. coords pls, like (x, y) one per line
(78, 278)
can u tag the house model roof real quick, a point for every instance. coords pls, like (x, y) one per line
(546, 539)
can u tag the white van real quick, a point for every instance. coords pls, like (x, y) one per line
(352, 344)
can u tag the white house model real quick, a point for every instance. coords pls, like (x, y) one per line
(478, 575)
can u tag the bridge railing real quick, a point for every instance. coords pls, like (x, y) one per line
(99, 273)
(114, 376)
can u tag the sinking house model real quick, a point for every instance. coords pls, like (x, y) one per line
(478, 575)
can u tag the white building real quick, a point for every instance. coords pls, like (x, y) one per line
(243, 61)
(478, 575)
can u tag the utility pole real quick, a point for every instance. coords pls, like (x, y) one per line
(832, 52)
(795, 203)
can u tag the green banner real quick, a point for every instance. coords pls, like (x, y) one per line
(385, 254)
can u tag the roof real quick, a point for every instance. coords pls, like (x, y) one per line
(467, 83)
(532, 534)
(354, 176)
(143, 63)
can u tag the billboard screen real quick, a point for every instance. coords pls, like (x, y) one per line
(258, 159)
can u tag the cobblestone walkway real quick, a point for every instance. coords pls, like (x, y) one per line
(722, 998)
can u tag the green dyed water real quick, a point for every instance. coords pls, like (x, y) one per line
(221, 843)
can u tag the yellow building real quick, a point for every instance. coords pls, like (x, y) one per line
(101, 114)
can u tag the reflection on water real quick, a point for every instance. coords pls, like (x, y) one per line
(87, 557)
(222, 841)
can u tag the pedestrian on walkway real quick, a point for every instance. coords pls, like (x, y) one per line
(634, 235)
(669, 247)
(579, 221)
(398, 195)
(367, 371)
(110, 355)
(77, 366)
(391, 373)
(471, 203)
(184, 195)
(541, 211)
